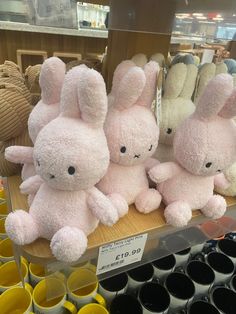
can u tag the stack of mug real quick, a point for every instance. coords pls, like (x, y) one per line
(191, 281)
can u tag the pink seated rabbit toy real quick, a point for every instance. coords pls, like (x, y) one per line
(50, 80)
(204, 146)
(132, 135)
(71, 156)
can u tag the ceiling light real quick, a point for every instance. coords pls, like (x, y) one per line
(218, 15)
(218, 19)
(201, 17)
(197, 14)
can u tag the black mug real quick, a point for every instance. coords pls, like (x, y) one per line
(223, 299)
(138, 276)
(113, 286)
(202, 307)
(222, 265)
(125, 304)
(181, 290)
(154, 298)
(228, 247)
(202, 276)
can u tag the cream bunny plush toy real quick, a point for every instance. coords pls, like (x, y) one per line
(51, 79)
(132, 135)
(176, 105)
(71, 156)
(204, 146)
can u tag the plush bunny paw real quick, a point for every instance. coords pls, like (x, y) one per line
(119, 203)
(215, 208)
(68, 244)
(178, 214)
(21, 227)
(157, 174)
(147, 201)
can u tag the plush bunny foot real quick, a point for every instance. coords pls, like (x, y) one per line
(147, 201)
(119, 203)
(21, 227)
(68, 244)
(215, 208)
(178, 214)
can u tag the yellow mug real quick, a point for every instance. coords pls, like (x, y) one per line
(93, 309)
(6, 251)
(82, 286)
(10, 277)
(2, 193)
(3, 234)
(37, 273)
(16, 300)
(3, 208)
(57, 305)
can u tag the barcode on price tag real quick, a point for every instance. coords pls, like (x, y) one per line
(121, 253)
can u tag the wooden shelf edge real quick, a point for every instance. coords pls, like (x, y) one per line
(132, 224)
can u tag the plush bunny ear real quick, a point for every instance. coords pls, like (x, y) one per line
(51, 79)
(159, 58)
(69, 105)
(221, 67)
(175, 81)
(205, 74)
(130, 88)
(229, 109)
(214, 97)
(140, 59)
(151, 71)
(91, 91)
(119, 73)
(190, 81)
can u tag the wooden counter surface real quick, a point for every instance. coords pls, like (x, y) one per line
(132, 224)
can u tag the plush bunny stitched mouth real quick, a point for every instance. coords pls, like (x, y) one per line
(137, 156)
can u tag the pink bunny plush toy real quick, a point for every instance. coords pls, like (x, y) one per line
(204, 146)
(50, 80)
(71, 156)
(132, 135)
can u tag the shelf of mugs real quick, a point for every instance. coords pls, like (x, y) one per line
(161, 239)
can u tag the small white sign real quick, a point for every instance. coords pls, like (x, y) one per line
(121, 253)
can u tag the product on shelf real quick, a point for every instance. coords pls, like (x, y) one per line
(204, 146)
(132, 135)
(176, 106)
(67, 207)
(32, 82)
(51, 80)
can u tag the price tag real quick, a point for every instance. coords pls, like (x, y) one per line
(121, 253)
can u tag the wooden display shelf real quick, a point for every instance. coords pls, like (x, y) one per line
(132, 224)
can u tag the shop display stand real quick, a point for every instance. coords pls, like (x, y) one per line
(162, 239)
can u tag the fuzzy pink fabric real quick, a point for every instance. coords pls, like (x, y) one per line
(71, 155)
(132, 135)
(204, 146)
(51, 79)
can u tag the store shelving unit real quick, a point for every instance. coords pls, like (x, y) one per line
(162, 239)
